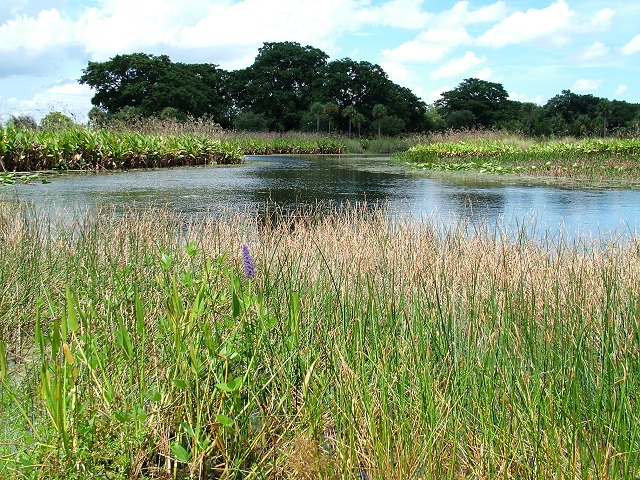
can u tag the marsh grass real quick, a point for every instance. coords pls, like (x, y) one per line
(363, 348)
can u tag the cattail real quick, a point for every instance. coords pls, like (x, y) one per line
(247, 261)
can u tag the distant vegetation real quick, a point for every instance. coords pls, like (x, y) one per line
(588, 158)
(291, 87)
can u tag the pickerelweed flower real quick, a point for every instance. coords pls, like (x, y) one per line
(247, 261)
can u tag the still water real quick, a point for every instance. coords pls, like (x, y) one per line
(446, 197)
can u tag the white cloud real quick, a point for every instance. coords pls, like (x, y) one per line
(458, 66)
(521, 97)
(594, 51)
(483, 74)
(522, 27)
(397, 13)
(35, 33)
(632, 47)
(586, 85)
(67, 97)
(602, 19)
(429, 46)
(460, 14)
(621, 90)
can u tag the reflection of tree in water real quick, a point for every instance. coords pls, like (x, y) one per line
(477, 205)
(290, 216)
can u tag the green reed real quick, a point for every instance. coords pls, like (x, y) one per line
(134, 346)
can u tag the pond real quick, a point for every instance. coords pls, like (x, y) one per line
(447, 197)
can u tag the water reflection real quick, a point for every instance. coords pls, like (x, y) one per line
(294, 182)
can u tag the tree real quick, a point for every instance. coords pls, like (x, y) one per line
(461, 120)
(250, 122)
(487, 101)
(603, 109)
(331, 109)
(363, 84)
(56, 121)
(23, 122)
(152, 83)
(350, 113)
(379, 112)
(280, 83)
(317, 109)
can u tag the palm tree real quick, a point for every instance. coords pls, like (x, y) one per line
(317, 109)
(350, 113)
(604, 110)
(331, 109)
(379, 112)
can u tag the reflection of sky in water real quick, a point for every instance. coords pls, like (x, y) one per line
(291, 181)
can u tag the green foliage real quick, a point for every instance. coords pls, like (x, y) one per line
(590, 158)
(82, 148)
(250, 122)
(55, 121)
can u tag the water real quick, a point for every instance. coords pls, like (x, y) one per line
(447, 197)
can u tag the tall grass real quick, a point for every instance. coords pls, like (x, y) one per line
(362, 348)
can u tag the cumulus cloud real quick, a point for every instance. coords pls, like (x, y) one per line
(397, 13)
(483, 74)
(67, 97)
(429, 46)
(621, 90)
(593, 51)
(632, 47)
(522, 27)
(458, 66)
(460, 14)
(586, 85)
(602, 19)
(522, 97)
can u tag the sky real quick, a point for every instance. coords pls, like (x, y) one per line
(535, 49)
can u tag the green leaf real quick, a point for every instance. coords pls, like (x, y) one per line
(179, 383)
(231, 385)
(3, 361)
(224, 420)
(180, 452)
(72, 318)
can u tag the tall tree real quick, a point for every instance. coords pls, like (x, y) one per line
(487, 101)
(379, 112)
(150, 84)
(280, 82)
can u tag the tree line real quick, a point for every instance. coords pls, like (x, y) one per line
(294, 87)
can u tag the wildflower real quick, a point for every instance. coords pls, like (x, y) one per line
(247, 261)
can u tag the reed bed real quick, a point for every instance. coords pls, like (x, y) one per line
(591, 158)
(334, 345)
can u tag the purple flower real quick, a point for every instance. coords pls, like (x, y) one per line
(247, 261)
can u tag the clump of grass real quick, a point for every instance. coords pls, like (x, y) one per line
(360, 348)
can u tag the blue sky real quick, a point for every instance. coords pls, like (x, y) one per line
(535, 49)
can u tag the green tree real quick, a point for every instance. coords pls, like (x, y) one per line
(280, 83)
(23, 122)
(379, 112)
(56, 121)
(151, 83)
(331, 109)
(461, 120)
(351, 114)
(603, 109)
(347, 82)
(317, 109)
(487, 101)
(248, 121)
